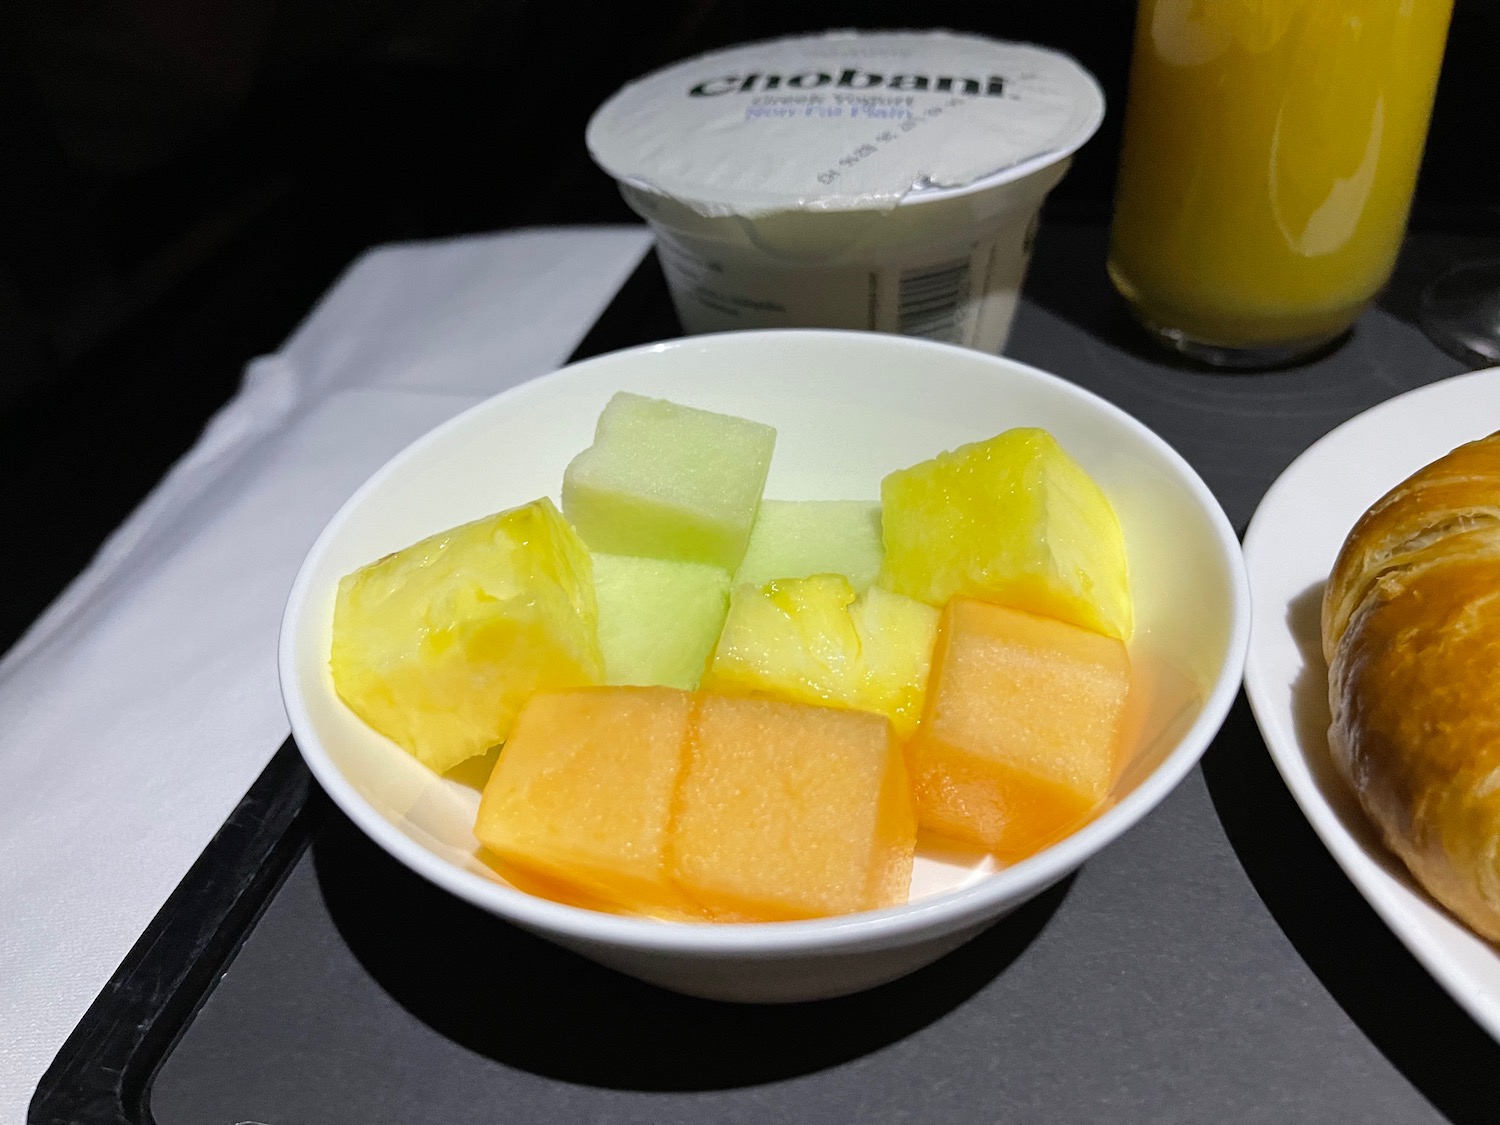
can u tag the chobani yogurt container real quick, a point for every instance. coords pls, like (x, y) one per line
(879, 180)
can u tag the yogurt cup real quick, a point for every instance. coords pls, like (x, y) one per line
(887, 181)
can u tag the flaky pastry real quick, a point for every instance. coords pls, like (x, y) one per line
(1411, 632)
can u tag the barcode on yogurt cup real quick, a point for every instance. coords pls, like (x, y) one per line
(960, 293)
(932, 301)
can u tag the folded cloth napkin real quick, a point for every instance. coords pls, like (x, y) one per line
(143, 703)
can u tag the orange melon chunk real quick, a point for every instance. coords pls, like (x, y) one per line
(1018, 739)
(789, 810)
(581, 795)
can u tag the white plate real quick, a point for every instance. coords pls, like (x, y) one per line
(1289, 549)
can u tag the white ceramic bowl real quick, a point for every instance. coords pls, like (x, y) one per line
(849, 407)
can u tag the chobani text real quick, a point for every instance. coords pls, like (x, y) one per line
(851, 78)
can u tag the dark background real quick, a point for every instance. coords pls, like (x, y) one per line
(181, 179)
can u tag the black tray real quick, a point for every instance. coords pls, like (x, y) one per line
(1214, 963)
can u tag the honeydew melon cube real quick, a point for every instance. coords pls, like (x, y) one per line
(438, 645)
(800, 538)
(1012, 520)
(658, 620)
(668, 481)
(812, 640)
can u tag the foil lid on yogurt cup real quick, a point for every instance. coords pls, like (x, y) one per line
(844, 121)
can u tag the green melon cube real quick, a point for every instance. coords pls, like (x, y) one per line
(800, 538)
(671, 482)
(658, 620)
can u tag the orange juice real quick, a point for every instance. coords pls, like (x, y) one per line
(1271, 148)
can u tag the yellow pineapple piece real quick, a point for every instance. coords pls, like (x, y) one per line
(811, 640)
(438, 645)
(1013, 520)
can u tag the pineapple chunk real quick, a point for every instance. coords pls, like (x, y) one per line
(665, 481)
(811, 640)
(438, 645)
(1012, 520)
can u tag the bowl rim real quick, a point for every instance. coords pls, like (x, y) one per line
(891, 926)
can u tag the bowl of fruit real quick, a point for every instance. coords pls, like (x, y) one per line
(766, 666)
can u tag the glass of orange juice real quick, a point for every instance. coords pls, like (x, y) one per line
(1271, 148)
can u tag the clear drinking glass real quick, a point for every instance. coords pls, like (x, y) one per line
(1271, 149)
(1461, 312)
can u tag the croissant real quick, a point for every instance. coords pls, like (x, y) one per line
(1411, 632)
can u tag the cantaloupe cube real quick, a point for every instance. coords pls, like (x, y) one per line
(1019, 739)
(800, 538)
(669, 482)
(811, 640)
(582, 793)
(1013, 520)
(658, 620)
(437, 646)
(791, 811)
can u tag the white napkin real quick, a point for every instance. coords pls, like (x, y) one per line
(141, 706)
